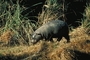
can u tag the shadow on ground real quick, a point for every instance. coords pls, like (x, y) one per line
(81, 56)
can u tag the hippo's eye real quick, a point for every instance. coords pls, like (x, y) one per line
(38, 34)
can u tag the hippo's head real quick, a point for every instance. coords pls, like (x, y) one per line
(36, 37)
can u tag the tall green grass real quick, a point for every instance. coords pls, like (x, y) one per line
(12, 19)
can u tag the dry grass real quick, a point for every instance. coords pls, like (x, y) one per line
(6, 37)
(79, 42)
(50, 11)
(45, 50)
(46, 16)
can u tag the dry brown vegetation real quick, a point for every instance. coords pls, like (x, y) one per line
(6, 37)
(77, 49)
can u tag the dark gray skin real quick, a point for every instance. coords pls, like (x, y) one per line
(50, 30)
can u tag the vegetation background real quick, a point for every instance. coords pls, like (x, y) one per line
(16, 29)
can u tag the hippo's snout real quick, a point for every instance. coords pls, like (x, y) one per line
(33, 41)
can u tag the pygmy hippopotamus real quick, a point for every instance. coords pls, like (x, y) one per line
(53, 29)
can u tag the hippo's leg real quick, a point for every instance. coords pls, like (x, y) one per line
(51, 39)
(68, 38)
(59, 38)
